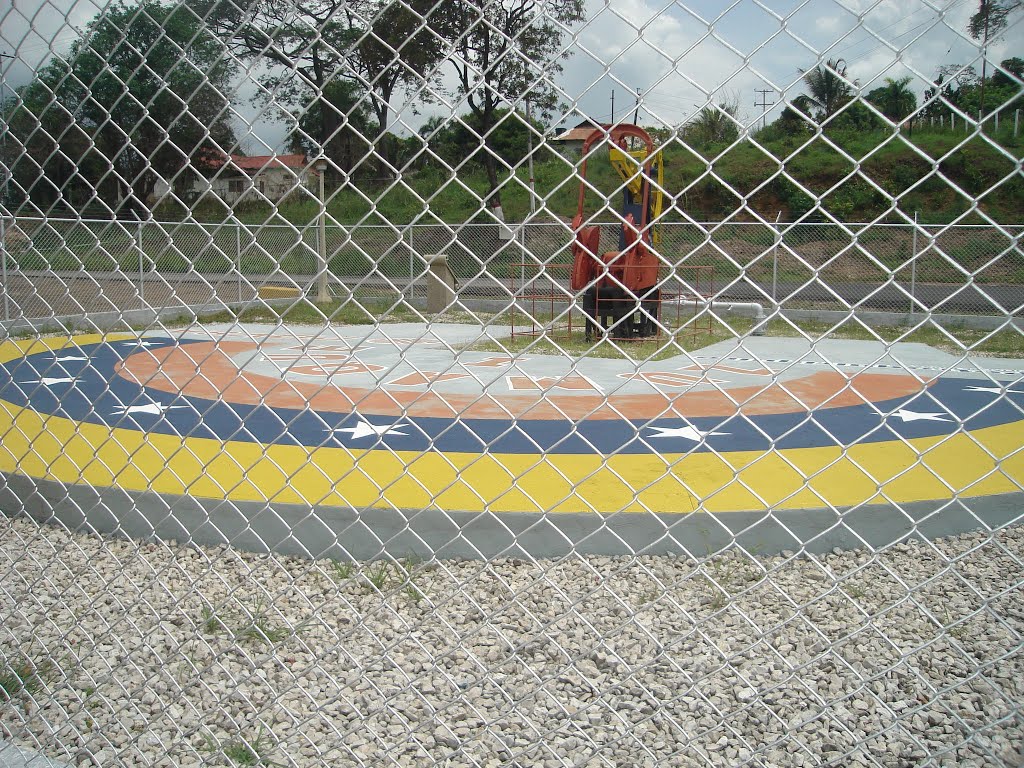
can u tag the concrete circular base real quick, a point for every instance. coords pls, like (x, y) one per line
(356, 440)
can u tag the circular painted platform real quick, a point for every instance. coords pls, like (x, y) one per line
(409, 417)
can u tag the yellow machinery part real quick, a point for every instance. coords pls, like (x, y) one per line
(629, 166)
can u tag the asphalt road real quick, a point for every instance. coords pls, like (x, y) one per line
(51, 294)
(986, 299)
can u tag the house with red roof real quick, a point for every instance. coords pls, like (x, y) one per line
(259, 177)
(570, 142)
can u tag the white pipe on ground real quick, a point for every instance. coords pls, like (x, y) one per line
(743, 307)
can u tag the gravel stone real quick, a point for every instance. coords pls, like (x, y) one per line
(910, 655)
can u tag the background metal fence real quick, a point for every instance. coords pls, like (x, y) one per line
(882, 267)
(427, 521)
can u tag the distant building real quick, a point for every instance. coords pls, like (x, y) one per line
(262, 177)
(570, 143)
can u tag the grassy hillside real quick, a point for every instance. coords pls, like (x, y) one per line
(934, 173)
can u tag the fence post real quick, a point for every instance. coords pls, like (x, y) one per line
(775, 261)
(322, 294)
(3, 269)
(142, 262)
(1016, 122)
(238, 257)
(412, 267)
(913, 268)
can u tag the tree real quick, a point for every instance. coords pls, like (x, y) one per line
(303, 46)
(503, 51)
(827, 86)
(1015, 66)
(49, 164)
(714, 124)
(895, 100)
(399, 49)
(961, 88)
(509, 139)
(987, 24)
(796, 116)
(378, 45)
(348, 144)
(143, 86)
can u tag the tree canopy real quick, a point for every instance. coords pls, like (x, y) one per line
(895, 100)
(959, 87)
(503, 51)
(140, 95)
(376, 45)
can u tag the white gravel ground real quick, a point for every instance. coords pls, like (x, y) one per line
(155, 655)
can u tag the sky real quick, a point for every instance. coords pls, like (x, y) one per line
(680, 55)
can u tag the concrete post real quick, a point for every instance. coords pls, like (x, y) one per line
(440, 284)
(142, 263)
(775, 262)
(913, 268)
(238, 257)
(323, 295)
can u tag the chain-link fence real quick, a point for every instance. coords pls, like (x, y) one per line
(884, 267)
(376, 390)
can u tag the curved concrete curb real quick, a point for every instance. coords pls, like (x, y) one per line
(16, 757)
(317, 532)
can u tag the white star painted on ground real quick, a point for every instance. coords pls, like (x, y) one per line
(366, 429)
(995, 390)
(50, 380)
(70, 358)
(152, 409)
(688, 432)
(906, 416)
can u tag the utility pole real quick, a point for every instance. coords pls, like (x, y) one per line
(764, 103)
(613, 106)
(636, 112)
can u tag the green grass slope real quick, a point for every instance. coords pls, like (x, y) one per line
(858, 176)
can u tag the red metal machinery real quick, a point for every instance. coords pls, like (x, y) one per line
(621, 290)
(621, 287)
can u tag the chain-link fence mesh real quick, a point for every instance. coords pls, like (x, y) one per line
(375, 390)
(884, 267)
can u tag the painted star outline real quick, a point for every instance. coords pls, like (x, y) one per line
(363, 428)
(688, 432)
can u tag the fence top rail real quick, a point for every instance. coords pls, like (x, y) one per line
(859, 226)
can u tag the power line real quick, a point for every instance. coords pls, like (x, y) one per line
(894, 38)
(874, 35)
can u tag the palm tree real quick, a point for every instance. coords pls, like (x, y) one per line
(895, 100)
(715, 123)
(828, 87)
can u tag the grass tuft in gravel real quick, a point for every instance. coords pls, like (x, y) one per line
(246, 752)
(255, 623)
(380, 576)
(342, 571)
(25, 676)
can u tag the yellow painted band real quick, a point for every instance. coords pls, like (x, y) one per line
(983, 462)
